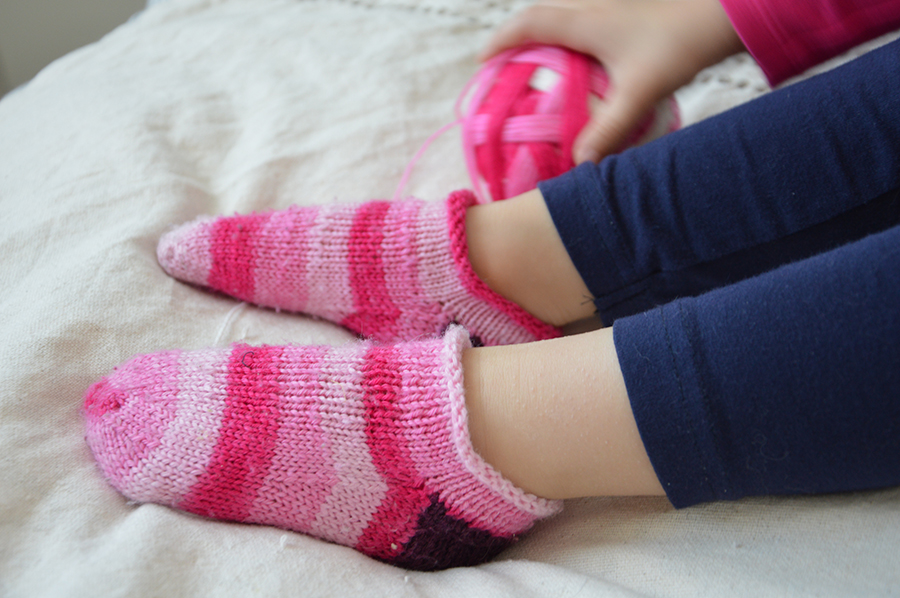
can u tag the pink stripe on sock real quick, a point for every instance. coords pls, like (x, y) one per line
(329, 293)
(233, 259)
(301, 473)
(394, 523)
(374, 312)
(280, 265)
(247, 437)
(418, 316)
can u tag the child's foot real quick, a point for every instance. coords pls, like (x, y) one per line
(390, 271)
(364, 445)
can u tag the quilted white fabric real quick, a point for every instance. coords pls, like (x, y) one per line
(205, 107)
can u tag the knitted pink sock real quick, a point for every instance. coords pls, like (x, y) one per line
(364, 445)
(390, 271)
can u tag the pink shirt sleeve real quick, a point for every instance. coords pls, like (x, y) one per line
(787, 37)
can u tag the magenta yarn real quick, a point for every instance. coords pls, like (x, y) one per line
(523, 110)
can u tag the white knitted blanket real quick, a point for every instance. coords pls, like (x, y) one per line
(217, 106)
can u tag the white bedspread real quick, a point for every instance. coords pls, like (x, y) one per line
(203, 106)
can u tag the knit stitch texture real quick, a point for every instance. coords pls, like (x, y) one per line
(364, 445)
(389, 271)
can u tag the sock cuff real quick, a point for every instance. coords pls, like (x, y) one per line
(457, 204)
(456, 340)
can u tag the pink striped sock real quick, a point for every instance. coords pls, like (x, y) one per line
(365, 445)
(390, 271)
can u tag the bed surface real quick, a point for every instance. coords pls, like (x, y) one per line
(208, 107)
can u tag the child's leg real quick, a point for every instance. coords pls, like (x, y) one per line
(554, 418)
(785, 383)
(794, 173)
(515, 249)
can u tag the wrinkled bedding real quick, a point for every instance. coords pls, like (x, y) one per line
(206, 107)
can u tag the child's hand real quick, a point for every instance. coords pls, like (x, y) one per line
(649, 48)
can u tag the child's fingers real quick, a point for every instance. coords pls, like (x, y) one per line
(609, 127)
(553, 23)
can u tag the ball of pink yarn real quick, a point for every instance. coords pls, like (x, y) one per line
(523, 110)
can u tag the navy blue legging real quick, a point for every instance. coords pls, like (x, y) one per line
(750, 265)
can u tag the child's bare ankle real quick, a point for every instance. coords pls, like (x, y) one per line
(554, 418)
(515, 249)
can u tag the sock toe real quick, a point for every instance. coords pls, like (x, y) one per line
(133, 423)
(184, 253)
(126, 417)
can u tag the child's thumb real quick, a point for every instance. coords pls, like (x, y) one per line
(608, 129)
